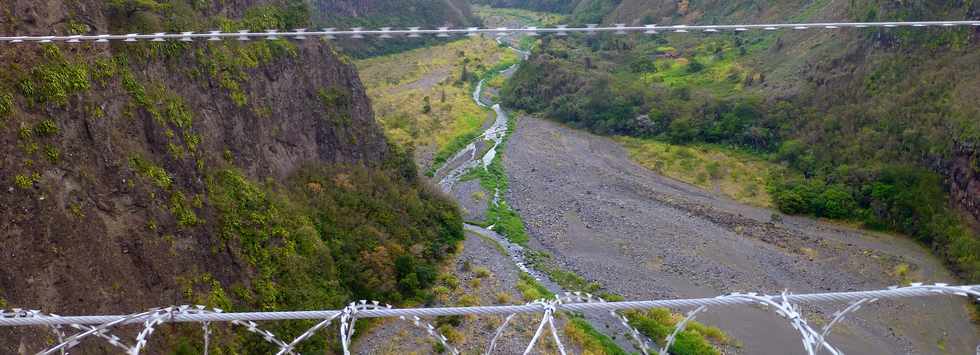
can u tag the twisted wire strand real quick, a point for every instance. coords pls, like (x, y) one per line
(149, 325)
(503, 326)
(546, 320)
(914, 290)
(58, 329)
(812, 340)
(73, 340)
(206, 327)
(840, 315)
(308, 333)
(678, 328)
(784, 304)
(350, 314)
(412, 32)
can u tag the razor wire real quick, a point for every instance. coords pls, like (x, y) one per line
(784, 304)
(415, 32)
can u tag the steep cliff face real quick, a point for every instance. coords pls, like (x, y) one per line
(241, 175)
(374, 14)
(963, 174)
(560, 6)
(395, 13)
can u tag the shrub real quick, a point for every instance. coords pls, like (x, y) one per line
(714, 170)
(452, 335)
(531, 289)
(836, 202)
(46, 128)
(6, 104)
(482, 272)
(441, 293)
(157, 175)
(789, 200)
(26, 181)
(450, 280)
(694, 66)
(56, 80)
(426, 106)
(469, 300)
(643, 65)
(52, 154)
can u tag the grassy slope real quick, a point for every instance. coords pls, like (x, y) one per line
(525, 17)
(399, 85)
(738, 175)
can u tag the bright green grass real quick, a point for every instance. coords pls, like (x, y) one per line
(526, 17)
(581, 332)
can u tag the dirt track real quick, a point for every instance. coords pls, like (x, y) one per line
(645, 236)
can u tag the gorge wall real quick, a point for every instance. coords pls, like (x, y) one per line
(238, 175)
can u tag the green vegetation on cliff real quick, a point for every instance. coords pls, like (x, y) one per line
(391, 13)
(180, 167)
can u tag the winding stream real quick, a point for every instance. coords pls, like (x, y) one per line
(495, 134)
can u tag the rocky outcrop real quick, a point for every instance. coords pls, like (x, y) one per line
(419, 12)
(108, 152)
(374, 14)
(561, 6)
(963, 177)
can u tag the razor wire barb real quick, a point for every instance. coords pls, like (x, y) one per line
(414, 32)
(786, 305)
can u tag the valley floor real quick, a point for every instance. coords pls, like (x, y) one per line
(645, 236)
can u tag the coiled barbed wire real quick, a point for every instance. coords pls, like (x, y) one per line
(785, 304)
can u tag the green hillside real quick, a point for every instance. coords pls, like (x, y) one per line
(875, 126)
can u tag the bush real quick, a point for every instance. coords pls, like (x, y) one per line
(6, 104)
(26, 181)
(694, 66)
(643, 65)
(481, 272)
(56, 80)
(46, 128)
(789, 200)
(531, 289)
(836, 202)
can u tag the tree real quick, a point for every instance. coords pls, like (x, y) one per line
(836, 202)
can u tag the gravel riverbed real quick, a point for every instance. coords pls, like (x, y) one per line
(645, 236)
